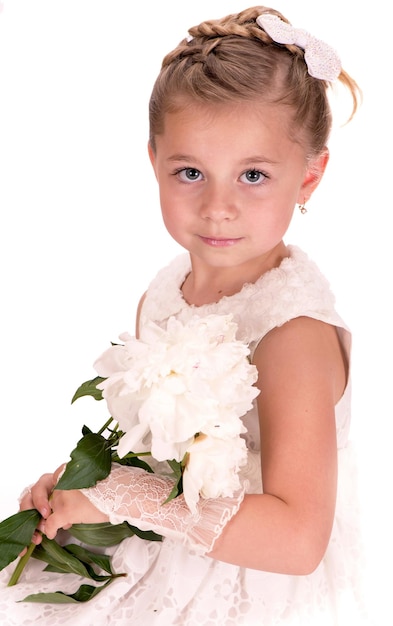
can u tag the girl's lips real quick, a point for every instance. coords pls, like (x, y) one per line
(220, 242)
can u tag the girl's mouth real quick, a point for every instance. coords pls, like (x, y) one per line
(220, 242)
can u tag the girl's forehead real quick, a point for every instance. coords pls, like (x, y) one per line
(220, 120)
(238, 111)
(227, 131)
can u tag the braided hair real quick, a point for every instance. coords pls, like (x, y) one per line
(234, 60)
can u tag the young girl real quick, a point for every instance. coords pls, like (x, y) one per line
(239, 123)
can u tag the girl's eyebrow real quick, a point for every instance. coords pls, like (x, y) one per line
(251, 159)
(259, 158)
(182, 157)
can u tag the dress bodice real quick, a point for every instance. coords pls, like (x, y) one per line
(295, 288)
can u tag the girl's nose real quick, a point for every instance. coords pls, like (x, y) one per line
(218, 203)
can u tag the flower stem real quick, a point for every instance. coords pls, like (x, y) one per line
(105, 426)
(21, 565)
(130, 455)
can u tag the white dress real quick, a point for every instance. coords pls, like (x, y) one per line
(167, 585)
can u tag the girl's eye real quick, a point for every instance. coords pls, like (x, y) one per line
(189, 174)
(253, 177)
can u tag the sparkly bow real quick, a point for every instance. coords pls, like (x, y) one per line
(322, 61)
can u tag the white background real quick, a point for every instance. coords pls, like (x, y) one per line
(80, 228)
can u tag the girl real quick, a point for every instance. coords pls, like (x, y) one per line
(239, 123)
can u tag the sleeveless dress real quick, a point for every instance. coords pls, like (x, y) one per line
(167, 585)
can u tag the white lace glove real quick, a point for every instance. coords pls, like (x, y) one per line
(133, 495)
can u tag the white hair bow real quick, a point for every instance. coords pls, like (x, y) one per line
(321, 59)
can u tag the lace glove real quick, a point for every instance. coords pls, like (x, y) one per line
(133, 495)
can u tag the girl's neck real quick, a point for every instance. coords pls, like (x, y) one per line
(207, 284)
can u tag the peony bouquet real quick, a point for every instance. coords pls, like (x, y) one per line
(179, 394)
(176, 396)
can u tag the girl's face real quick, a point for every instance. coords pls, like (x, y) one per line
(229, 178)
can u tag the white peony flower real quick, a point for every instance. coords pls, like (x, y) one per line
(212, 468)
(175, 383)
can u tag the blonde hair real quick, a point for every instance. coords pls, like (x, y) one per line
(233, 60)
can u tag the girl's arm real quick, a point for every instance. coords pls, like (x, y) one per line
(302, 375)
(286, 529)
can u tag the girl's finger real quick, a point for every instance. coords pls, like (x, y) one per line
(40, 493)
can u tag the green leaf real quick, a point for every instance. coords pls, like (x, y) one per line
(177, 469)
(100, 535)
(103, 561)
(83, 594)
(56, 597)
(147, 535)
(51, 552)
(89, 388)
(174, 493)
(16, 533)
(93, 575)
(106, 534)
(90, 462)
(132, 460)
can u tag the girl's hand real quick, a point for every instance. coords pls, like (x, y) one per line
(67, 508)
(38, 498)
(58, 508)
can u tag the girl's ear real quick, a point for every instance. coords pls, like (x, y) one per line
(313, 176)
(152, 156)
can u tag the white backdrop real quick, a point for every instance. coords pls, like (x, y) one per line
(80, 228)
